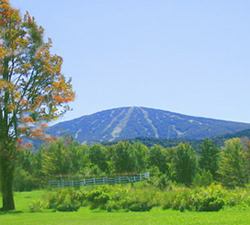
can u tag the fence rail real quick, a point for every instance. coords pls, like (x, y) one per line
(99, 181)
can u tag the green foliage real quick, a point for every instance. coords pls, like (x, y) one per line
(238, 215)
(36, 206)
(98, 156)
(209, 157)
(33, 89)
(65, 159)
(128, 158)
(60, 158)
(157, 158)
(118, 198)
(203, 178)
(98, 198)
(232, 164)
(185, 164)
(211, 198)
(64, 200)
(247, 158)
(160, 181)
(24, 181)
(144, 197)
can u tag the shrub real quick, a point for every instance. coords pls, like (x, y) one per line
(209, 199)
(24, 181)
(98, 198)
(138, 198)
(36, 206)
(64, 200)
(113, 206)
(139, 206)
(204, 178)
(160, 181)
(68, 204)
(201, 199)
(178, 199)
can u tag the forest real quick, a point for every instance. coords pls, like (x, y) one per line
(208, 178)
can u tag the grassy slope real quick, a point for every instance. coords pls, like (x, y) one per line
(87, 217)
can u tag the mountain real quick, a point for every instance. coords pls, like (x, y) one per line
(244, 134)
(140, 122)
(239, 134)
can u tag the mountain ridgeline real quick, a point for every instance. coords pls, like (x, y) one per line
(139, 122)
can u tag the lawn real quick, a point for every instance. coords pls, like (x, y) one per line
(87, 217)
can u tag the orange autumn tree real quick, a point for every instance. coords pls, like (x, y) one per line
(33, 90)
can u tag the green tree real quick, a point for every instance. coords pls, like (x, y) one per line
(157, 158)
(247, 158)
(203, 178)
(32, 89)
(98, 156)
(184, 164)
(123, 158)
(209, 157)
(232, 164)
(60, 158)
(24, 179)
(141, 152)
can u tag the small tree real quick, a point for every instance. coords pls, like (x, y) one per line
(232, 164)
(141, 152)
(98, 156)
(209, 157)
(185, 164)
(157, 158)
(57, 159)
(32, 89)
(247, 157)
(123, 158)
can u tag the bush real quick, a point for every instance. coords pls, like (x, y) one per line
(64, 200)
(138, 198)
(237, 197)
(140, 206)
(177, 199)
(24, 181)
(204, 178)
(36, 206)
(209, 199)
(113, 206)
(160, 181)
(97, 198)
(202, 199)
(115, 198)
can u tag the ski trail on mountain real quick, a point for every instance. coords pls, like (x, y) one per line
(118, 129)
(149, 121)
(178, 132)
(113, 121)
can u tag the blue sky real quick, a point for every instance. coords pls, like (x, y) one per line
(191, 57)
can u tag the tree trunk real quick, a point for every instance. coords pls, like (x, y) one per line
(6, 181)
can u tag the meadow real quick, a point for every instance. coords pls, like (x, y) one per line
(157, 216)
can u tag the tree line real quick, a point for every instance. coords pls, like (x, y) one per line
(182, 164)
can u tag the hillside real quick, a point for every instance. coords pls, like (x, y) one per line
(140, 122)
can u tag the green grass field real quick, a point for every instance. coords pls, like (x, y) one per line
(87, 217)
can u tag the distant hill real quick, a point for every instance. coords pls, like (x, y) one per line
(240, 134)
(139, 122)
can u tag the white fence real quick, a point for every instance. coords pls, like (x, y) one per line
(99, 181)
